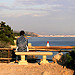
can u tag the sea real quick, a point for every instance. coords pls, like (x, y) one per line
(53, 41)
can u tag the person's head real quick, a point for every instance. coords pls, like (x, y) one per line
(22, 33)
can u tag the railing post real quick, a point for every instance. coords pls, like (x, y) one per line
(8, 55)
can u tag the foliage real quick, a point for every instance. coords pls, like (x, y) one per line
(71, 60)
(4, 44)
(16, 33)
(6, 35)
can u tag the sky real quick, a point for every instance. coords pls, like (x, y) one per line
(39, 16)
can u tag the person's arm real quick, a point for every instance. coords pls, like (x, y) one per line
(27, 42)
(27, 46)
(16, 44)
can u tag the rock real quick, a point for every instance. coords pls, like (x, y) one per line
(45, 73)
(60, 58)
(65, 73)
(57, 57)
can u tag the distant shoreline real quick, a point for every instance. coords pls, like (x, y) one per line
(56, 36)
(50, 36)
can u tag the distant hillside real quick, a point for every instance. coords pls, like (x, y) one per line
(32, 34)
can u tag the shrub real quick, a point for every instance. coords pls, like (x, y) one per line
(4, 44)
(71, 60)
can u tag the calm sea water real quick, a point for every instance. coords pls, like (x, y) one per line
(53, 41)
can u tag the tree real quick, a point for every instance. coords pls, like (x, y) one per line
(6, 34)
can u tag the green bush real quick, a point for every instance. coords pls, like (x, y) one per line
(4, 44)
(4, 54)
(71, 60)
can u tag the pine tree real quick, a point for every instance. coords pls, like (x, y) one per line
(6, 35)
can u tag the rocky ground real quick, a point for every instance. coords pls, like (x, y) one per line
(34, 69)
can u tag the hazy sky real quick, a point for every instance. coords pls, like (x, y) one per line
(40, 16)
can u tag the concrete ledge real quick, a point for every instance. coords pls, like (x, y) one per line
(33, 53)
(24, 62)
